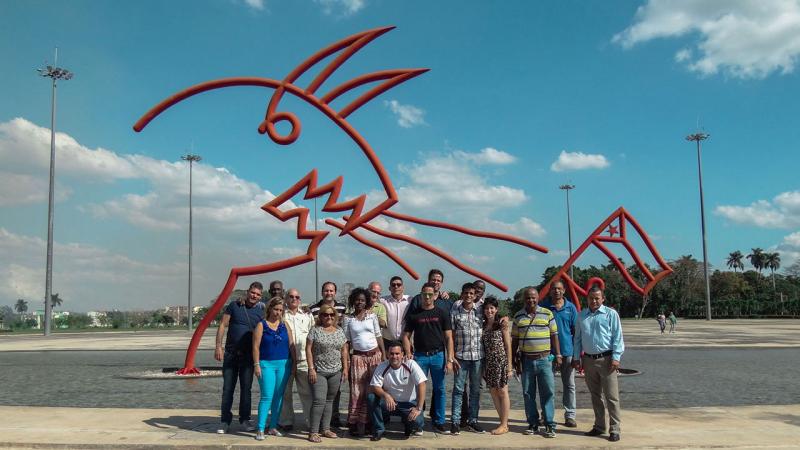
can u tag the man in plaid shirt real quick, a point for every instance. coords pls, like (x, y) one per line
(467, 322)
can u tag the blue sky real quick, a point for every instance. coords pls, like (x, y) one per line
(520, 98)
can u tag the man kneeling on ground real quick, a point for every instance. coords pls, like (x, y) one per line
(397, 388)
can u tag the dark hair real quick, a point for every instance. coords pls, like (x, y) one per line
(392, 344)
(351, 299)
(479, 282)
(491, 300)
(395, 278)
(427, 284)
(594, 289)
(330, 282)
(467, 286)
(274, 282)
(257, 285)
(433, 272)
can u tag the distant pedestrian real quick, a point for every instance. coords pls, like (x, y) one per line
(275, 353)
(662, 322)
(239, 319)
(599, 336)
(673, 321)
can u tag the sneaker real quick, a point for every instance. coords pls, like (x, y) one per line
(549, 432)
(439, 428)
(455, 430)
(260, 435)
(463, 423)
(531, 430)
(570, 422)
(417, 433)
(248, 425)
(224, 428)
(474, 427)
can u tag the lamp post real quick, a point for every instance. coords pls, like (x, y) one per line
(566, 188)
(55, 73)
(192, 159)
(698, 137)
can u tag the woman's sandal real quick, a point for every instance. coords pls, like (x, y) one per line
(500, 430)
(314, 437)
(330, 434)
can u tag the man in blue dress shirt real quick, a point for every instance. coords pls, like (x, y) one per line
(566, 318)
(598, 335)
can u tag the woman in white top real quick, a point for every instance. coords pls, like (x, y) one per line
(363, 332)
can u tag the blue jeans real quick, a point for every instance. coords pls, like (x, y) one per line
(433, 367)
(471, 370)
(274, 375)
(568, 385)
(377, 410)
(538, 373)
(236, 367)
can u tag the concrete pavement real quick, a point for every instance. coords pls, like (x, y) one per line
(752, 427)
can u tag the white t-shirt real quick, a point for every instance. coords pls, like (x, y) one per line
(362, 334)
(400, 383)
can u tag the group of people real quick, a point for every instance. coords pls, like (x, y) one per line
(662, 321)
(386, 348)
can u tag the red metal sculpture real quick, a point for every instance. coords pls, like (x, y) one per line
(356, 218)
(616, 224)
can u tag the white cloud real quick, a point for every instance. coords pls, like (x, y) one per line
(488, 155)
(683, 55)
(742, 38)
(255, 4)
(222, 201)
(525, 227)
(578, 161)
(782, 212)
(407, 115)
(478, 259)
(342, 8)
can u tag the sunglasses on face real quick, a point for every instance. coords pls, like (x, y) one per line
(396, 284)
(294, 296)
(427, 295)
(329, 315)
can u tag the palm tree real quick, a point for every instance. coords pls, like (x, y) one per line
(757, 259)
(55, 300)
(772, 261)
(21, 306)
(735, 260)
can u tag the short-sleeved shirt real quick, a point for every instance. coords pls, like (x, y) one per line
(416, 304)
(241, 325)
(467, 332)
(566, 319)
(379, 310)
(533, 330)
(428, 326)
(363, 335)
(400, 383)
(340, 308)
(326, 348)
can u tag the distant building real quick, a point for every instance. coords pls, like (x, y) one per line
(99, 319)
(176, 312)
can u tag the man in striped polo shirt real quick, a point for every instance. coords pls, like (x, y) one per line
(533, 333)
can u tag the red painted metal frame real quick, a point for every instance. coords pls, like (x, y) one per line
(622, 218)
(356, 218)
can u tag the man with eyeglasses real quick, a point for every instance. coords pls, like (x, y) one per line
(240, 318)
(377, 308)
(433, 349)
(300, 323)
(396, 304)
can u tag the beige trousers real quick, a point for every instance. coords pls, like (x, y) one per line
(603, 386)
(300, 379)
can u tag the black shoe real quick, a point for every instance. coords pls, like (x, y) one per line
(439, 428)
(549, 432)
(285, 427)
(594, 432)
(455, 430)
(376, 437)
(463, 423)
(531, 430)
(570, 422)
(613, 437)
(474, 427)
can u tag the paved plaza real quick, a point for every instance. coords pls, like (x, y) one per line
(753, 426)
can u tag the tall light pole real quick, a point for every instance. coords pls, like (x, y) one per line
(566, 188)
(192, 159)
(55, 73)
(697, 137)
(316, 260)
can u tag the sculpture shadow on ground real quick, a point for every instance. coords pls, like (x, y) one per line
(790, 419)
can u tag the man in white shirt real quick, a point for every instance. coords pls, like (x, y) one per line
(397, 388)
(396, 304)
(300, 323)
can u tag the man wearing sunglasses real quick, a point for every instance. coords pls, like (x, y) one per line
(300, 323)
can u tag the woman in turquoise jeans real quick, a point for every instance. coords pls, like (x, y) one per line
(274, 356)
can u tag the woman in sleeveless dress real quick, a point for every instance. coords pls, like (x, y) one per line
(497, 348)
